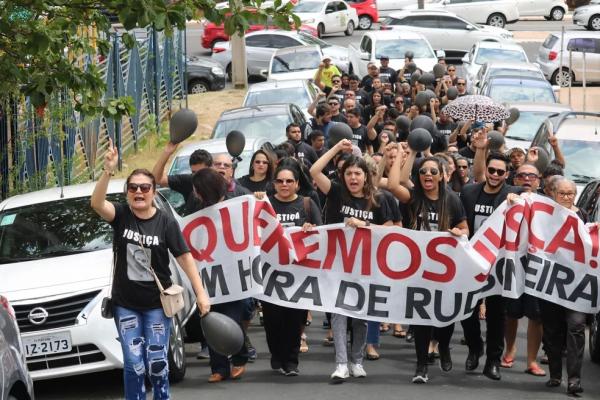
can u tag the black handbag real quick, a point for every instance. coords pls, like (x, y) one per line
(107, 310)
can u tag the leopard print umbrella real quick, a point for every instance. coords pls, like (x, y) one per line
(476, 107)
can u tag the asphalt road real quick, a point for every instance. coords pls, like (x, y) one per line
(388, 378)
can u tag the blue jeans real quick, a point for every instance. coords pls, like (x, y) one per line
(144, 337)
(373, 332)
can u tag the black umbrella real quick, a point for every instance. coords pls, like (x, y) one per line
(476, 107)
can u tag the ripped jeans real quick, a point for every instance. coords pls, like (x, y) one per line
(144, 337)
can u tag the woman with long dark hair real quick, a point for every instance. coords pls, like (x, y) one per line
(260, 172)
(355, 201)
(375, 100)
(430, 207)
(142, 325)
(284, 325)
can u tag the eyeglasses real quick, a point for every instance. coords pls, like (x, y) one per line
(451, 69)
(462, 166)
(399, 102)
(497, 171)
(526, 175)
(144, 187)
(263, 162)
(460, 84)
(282, 181)
(334, 103)
(432, 171)
(222, 165)
(566, 194)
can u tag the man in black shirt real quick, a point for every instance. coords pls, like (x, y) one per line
(387, 74)
(336, 115)
(361, 136)
(223, 164)
(480, 200)
(302, 150)
(445, 125)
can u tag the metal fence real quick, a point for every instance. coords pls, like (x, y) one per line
(65, 147)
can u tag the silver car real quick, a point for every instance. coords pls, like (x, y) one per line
(301, 92)
(15, 382)
(503, 68)
(549, 58)
(261, 45)
(588, 16)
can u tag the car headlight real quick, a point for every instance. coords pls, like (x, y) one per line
(217, 71)
(309, 21)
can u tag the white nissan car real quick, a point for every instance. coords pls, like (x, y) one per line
(55, 264)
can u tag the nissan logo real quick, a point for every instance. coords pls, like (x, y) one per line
(38, 316)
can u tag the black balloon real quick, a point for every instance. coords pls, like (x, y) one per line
(235, 142)
(452, 93)
(495, 140)
(419, 139)
(338, 132)
(411, 67)
(439, 70)
(414, 78)
(543, 160)
(402, 127)
(223, 334)
(427, 78)
(182, 124)
(422, 121)
(409, 54)
(514, 115)
(421, 99)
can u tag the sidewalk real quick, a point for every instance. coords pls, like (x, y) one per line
(592, 98)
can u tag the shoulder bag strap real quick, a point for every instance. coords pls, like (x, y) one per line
(145, 250)
(306, 204)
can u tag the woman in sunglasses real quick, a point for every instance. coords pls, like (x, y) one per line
(143, 238)
(354, 201)
(260, 172)
(430, 207)
(283, 325)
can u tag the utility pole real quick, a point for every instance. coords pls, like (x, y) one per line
(239, 77)
(421, 4)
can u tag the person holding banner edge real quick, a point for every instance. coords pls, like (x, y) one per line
(354, 201)
(431, 206)
(141, 322)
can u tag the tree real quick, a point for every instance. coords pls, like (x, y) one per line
(45, 45)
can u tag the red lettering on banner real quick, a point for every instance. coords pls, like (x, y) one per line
(382, 250)
(494, 238)
(277, 237)
(302, 251)
(595, 245)
(514, 225)
(533, 209)
(228, 229)
(360, 237)
(435, 255)
(211, 234)
(490, 255)
(559, 241)
(259, 222)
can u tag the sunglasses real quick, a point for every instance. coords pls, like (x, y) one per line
(526, 175)
(399, 102)
(462, 166)
(336, 81)
(432, 171)
(499, 172)
(144, 187)
(222, 165)
(451, 70)
(282, 181)
(263, 162)
(333, 103)
(460, 84)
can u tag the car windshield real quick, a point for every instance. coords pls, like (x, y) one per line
(308, 7)
(486, 55)
(181, 165)
(311, 40)
(271, 127)
(525, 127)
(515, 93)
(396, 48)
(581, 160)
(297, 95)
(295, 61)
(53, 229)
(524, 73)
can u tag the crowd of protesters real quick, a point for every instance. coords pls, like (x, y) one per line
(375, 178)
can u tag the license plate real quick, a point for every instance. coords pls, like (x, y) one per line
(51, 343)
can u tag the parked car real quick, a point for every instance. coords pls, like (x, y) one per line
(554, 10)
(15, 381)
(393, 44)
(549, 59)
(261, 45)
(386, 7)
(577, 134)
(301, 92)
(203, 75)
(503, 68)
(490, 12)
(181, 163)
(329, 16)
(483, 52)
(269, 121)
(300, 62)
(588, 16)
(445, 30)
(531, 117)
(56, 255)
(366, 11)
(516, 89)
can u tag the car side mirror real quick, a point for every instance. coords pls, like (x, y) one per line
(440, 54)
(329, 10)
(264, 72)
(365, 56)
(466, 59)
(469, 27)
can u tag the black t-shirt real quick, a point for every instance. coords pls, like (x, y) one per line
(183, 184)
(304, 151)
(134, 286)
(292, 213)
(252, 186)
(467, 153)
(446, 129)
(339, 94)
(484, 207)
(339, 118)
(360, 138)
(456, 213)
(393, 205)
(340, 208)
(236, 190)
(388, 75)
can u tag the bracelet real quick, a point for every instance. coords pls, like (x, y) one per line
(110, 173)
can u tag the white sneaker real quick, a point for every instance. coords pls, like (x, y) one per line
(357, 370)
(340, 374)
